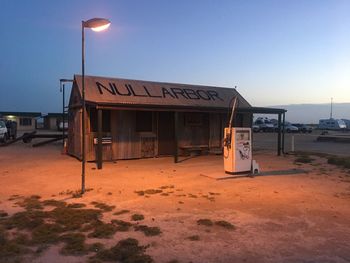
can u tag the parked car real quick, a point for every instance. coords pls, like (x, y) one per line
(62, 126)
(264, 125)
(303, 128)
(288, 127)
(347, 123)
(255, 128)
(3, 132)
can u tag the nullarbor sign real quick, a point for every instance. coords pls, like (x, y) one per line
(176, 93)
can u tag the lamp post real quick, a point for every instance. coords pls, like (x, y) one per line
(62, 89)
(95, 24)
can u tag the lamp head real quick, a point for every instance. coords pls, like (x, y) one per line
(97, 24)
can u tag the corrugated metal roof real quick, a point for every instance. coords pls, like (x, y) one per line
(117, 91)
(20, 114)
(54, 114)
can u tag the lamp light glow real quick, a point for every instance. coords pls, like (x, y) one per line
(100, 28)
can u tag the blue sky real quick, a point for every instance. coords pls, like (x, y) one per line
(276, 52)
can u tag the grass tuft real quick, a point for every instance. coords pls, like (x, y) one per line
(25, 220)
(11, 252)
(304, 159)
(148, 231)
(47, 234)
(193, 238)
(96, 247)
(15, 197)
(124, 211)
(74, 244)
(340, 161)
(212, 193)
(149, 192)
(210, 198)
(22, 239)
(225, 224)
(141, 193)
(103, 206)
(74, 219)
(126, 250)
(76, 205)
(3, 213)
(103, 230)
(52, 202)
(30, 203)
(77, 194)
(167, 187)
(137, 217)
(121, 225)
(205, 222)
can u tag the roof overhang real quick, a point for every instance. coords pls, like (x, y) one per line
(262, 110)
(20, 114)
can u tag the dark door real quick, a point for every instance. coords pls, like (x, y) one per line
(166, 135)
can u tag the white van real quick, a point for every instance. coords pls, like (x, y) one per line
(331, 124)
(3, 132)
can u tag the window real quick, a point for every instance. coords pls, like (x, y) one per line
(25, 121)
(106, 120)
(144, 121)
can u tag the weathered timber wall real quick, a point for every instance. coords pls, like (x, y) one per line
(127, 143)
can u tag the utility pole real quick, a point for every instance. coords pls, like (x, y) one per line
(331, 108)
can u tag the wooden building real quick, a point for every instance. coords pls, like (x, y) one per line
(140, 119)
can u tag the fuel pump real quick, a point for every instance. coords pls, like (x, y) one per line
(238, 148)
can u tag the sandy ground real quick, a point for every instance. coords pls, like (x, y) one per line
(301, 217)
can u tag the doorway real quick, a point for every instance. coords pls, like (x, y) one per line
(166, 133)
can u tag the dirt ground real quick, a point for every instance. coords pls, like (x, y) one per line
(301, 217)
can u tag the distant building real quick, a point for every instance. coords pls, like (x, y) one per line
(52, 120)
(26, 121)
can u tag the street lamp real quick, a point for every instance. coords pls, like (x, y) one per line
(95, 24)
(62, 89)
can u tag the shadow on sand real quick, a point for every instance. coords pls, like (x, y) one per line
(267, 173)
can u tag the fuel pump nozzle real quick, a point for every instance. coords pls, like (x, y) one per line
(227, 139)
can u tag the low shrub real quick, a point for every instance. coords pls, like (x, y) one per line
(304, 159)
(340, 161)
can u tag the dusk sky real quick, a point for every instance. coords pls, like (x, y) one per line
(276, 52)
